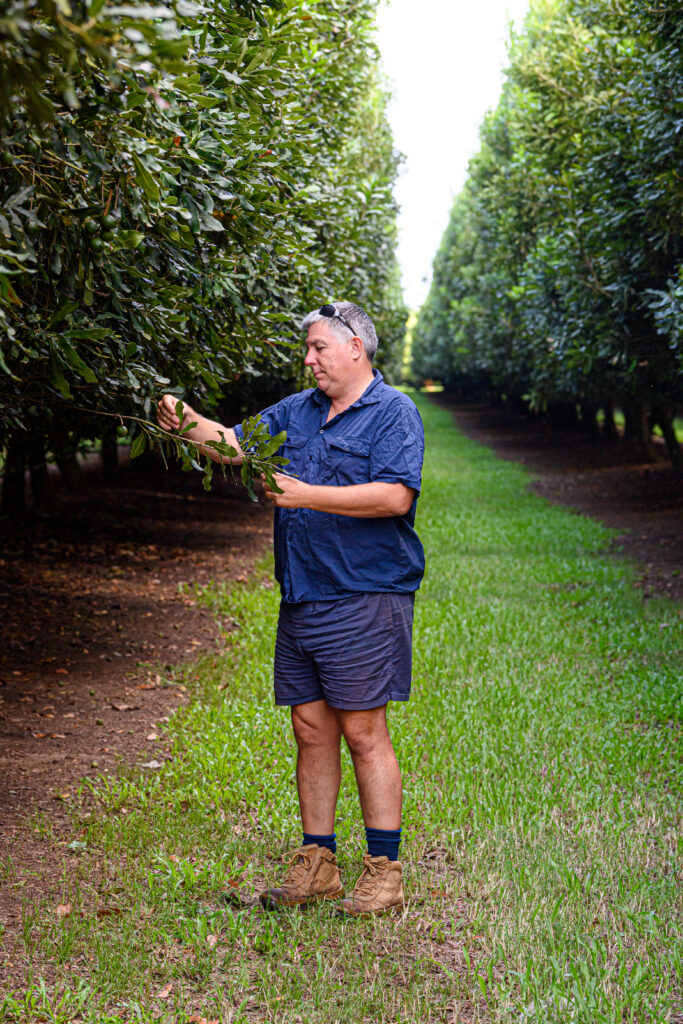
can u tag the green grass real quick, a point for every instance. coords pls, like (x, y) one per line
(620, 421)
(678, 429)
(542, 774)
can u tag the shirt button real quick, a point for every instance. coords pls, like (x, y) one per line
(320, 431)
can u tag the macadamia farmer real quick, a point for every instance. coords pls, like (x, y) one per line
(348, 562)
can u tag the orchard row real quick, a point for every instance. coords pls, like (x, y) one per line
(179, 184)
(559, 280)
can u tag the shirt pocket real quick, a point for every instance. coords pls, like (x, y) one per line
(293, 448)
(348, 460)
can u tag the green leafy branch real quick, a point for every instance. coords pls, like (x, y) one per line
(258, 458)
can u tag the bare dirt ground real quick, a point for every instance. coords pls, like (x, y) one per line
(645, 500)
(93, 617)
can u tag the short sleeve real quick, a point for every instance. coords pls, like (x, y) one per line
(398, 448)
(275, 417)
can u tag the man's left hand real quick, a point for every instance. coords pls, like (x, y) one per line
(294, 492)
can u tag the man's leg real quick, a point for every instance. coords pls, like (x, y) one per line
(318, 767)
(374, 761)
(380, 886)
(313, 871)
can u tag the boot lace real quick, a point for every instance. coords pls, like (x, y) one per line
(299, 862)
(366, 884)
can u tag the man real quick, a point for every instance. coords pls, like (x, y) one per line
(348, 562)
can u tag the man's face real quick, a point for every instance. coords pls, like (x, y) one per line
(331, 359)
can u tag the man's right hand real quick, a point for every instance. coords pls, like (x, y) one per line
(198, 429)
(166, 414)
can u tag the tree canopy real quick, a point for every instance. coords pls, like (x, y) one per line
(179, 184)
(560, 277)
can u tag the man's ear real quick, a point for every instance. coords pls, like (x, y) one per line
(356, 346)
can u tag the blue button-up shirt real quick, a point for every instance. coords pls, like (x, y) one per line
(320, 555)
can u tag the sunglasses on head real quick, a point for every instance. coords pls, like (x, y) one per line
(331, 311)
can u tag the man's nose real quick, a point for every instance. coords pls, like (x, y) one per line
(310, 358)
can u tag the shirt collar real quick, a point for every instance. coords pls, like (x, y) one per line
(370, 395)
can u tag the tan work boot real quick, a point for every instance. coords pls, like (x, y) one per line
(379, 890)
(313, 875)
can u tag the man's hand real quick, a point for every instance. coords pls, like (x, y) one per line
(166, 414)
(294, 492)
(198, 429)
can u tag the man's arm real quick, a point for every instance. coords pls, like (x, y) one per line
(206, 430)
(365, 501)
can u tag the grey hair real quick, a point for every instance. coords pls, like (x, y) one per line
(357, 317)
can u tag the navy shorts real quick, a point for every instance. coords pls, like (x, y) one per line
(354, 652)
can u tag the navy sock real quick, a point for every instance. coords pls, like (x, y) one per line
(330, 842)
(383, 842)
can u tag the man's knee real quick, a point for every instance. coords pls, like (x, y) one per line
(365, 732)
(312, 726)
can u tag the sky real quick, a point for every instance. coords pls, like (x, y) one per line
(444, 60)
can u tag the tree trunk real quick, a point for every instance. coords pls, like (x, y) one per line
(72, 473)
(664, 416)
(589, 421)
(110, 454)
(13, 483)
(609, 427)
(562, 415)
(37, 464)
(637, 429)
(515, 403)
